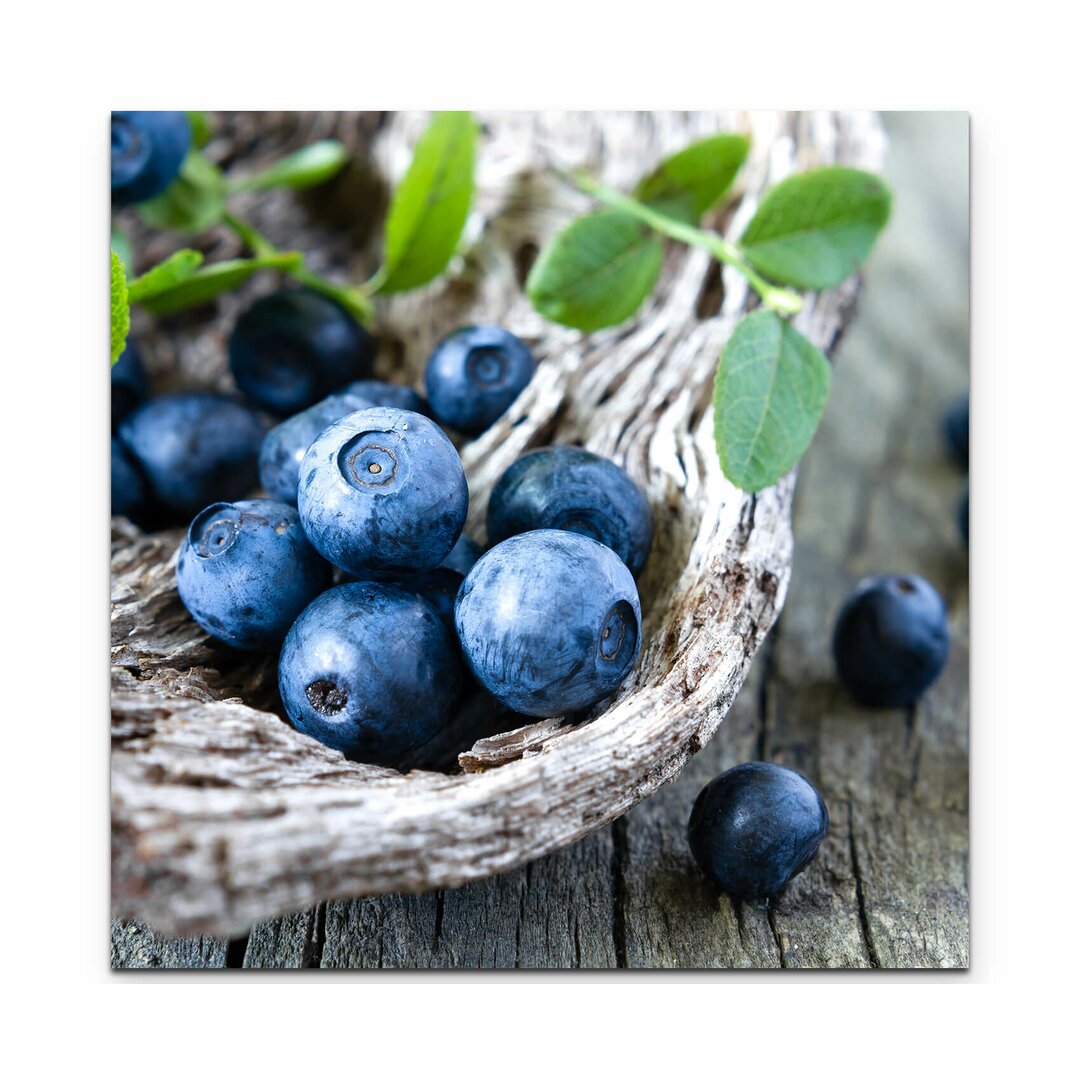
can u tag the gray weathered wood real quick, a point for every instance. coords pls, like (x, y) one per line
(135, 946)
(223, 815)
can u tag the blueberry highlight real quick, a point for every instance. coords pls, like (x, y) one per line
(148, 149)
(474, 376)
(195, 448)
(246, 570)
(550, 622)
(564, 487)
(891, 639)
(755, 827)
(371, 670)
(382, 493)
(292, 348)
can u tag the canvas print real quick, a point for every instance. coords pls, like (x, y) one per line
(539, 540)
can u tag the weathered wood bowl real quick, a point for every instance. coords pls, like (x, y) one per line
(224, 815)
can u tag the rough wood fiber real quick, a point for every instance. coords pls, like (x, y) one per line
(224, 816)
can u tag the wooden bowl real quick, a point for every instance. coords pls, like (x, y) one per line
(224, 815)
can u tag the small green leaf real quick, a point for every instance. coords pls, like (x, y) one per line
(771, 388)
(163, 277)
(815, 229)
(314, 164)
(119, 312)
(689, 183)
(200, 128)
(208, 281)
(596, 272)
(430, 205)
(193, 202)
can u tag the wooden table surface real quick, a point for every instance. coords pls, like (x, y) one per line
(876, 493)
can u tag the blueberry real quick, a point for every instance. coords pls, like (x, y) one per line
(755, 827)
(891, 639)
(382, 493)
(474, 375)
(246, 571)
(129, 492)
(130, 386)
(463, 555)
(383, 393)
(148, 149)
(292, 348)
(563, 487)
(955, 427)
(550, 622)
(439, 587)
(195, 448)
(369, 669)
(285, 445)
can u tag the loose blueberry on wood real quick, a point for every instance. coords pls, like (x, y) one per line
(371, 670)
(148, 149)
(292, 348)
(195, 448)
(891, 639)
(285, 445)
(564, 487)
(550, 622)
(246, 571)
(382, 493)
(130, 385)
(474, 375)
(755, 827)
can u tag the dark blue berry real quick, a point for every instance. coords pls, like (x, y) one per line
(129, 494)
(955, 426)
(285, 445)
(195, 448)
(369, 669)
(292, 348)
(130, 385)
(755, 827)
(962, 516)
(474, 375)
(564, 487)
(246, 571)
(382, 493)
(383, 393)
(550, 622)
(148, 149)
(891, 639)
(463, 555)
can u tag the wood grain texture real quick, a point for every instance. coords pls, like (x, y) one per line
(223, 816)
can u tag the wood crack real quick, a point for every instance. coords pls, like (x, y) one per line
(864, 921)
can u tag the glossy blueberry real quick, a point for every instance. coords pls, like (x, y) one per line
(474, 375)
(955, 426)
(891, 639)
(550, 622)
(246, 571)
(292, 348)
(129, 494)
(369, 669)
(148, 149)
(130, 386)
(195, 448)
(383, 393)
(755, 827)
(285, 445)
(564, 487)
(382, 493)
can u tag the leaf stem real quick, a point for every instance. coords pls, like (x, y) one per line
(772, 296)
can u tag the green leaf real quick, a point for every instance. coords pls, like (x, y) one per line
(771, 388)
(596, 272)
(208, 281)
(163, 277)
(119, 243)
(817, 228)
(193, 202)
(430, 205)
(689, 183)
(200, 128)
(314, 164)
(119, 312)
